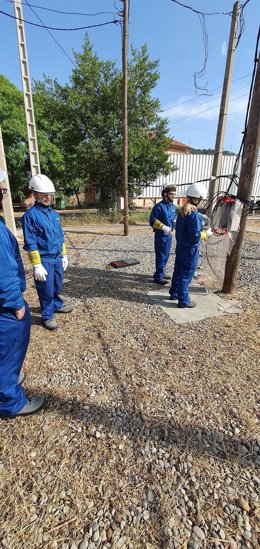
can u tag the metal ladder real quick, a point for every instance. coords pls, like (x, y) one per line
(27, 92)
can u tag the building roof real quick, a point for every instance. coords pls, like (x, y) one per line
(177, 146)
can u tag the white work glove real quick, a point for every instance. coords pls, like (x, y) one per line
(166, 230)
(65, 262)
(39, 272)
(209, 232)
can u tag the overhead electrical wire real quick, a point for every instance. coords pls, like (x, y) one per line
(53, 37)
(205, 102)
(209, 109)
(199, 74)
(64, 12)
(115, 21)
(200, 12)
(211, 91)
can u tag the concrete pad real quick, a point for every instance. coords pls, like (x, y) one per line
(206, 307)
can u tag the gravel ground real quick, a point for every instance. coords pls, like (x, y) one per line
(150, 437)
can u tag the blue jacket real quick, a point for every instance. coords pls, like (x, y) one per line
(188, 229)
(164, 212)
(12, 276)
(42, 231)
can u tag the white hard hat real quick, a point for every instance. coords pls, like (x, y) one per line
(166, 185)
(197, 190)
(41, 184)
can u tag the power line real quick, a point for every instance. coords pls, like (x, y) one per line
(214, 89)
(209, 109)
(200, 12)
(53, 37)
(199, 74)
(65, 12)
(115, 21)
(205, 102)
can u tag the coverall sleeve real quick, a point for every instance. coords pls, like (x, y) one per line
(155, 220)
(10, 283)
(29, 233)
(194, 227)
(21, 272)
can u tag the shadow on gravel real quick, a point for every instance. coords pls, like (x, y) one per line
(132, 423)
(117, 284)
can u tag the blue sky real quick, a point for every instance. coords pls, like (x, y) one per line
(173, 35)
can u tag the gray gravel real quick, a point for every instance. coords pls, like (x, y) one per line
(151, 434)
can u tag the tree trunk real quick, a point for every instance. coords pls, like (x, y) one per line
(76, 191)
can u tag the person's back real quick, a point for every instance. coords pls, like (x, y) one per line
(188, 235)
(188, 227)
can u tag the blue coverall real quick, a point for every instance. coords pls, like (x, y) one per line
(14, 333)
(165, 213)
(188, 235)
(43, 232)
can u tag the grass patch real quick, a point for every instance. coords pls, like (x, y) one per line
(101, 218)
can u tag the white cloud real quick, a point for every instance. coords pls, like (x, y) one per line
(238, 106)
(224, 48)
(182, 109)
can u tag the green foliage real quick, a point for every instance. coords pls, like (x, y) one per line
(209, 151)
(12, 121)
(79, 126)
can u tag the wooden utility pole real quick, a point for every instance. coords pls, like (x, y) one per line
(27, 92)
(7, 198)
(219, 145)
(125, 113)
(244, 191)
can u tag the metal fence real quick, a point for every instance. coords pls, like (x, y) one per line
(193, 167)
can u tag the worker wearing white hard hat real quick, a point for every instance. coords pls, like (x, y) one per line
(44, 240)
(188, 236)
(162, 221)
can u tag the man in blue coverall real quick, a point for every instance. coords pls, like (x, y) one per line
(189, 232)
(162, 222)
(44, 240)
(15, 325)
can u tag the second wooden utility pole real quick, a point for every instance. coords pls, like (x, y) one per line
(125, 114)
(219, 145)
(246, 181)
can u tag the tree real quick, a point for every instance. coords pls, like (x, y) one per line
(79, 126)
(12, 121)
(84, 121)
